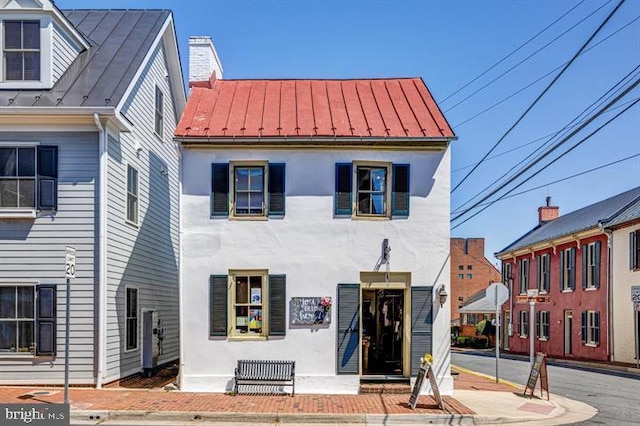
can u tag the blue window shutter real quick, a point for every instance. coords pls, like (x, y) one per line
(596, 326)
(400, 194)
(596, 278)
(277, 305)
(218, 305)
(220, 189)
(572, 273)
(46, 320)
(421, 325)
(584, 327)
(585, 261)
(348, 326)
(343, 196)
(47, 178)
(276, 189)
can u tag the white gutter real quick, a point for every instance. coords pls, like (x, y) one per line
(102, 251)
(309, 139)
(181, 309)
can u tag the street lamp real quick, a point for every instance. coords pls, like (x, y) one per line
(442, 295)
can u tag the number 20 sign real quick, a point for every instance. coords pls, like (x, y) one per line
(70, 263)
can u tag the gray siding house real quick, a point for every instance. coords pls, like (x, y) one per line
(89, 100)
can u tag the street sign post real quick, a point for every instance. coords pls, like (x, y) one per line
(69, 272)
(499, 293)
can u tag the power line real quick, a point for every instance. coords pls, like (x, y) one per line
(516, 50)
(549, 164)
(544, 91)
(600, 101)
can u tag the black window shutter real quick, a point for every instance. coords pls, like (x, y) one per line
(596, 278)
(348, 319)
(46, 320)
(538, 323)
(421, 325)
(633, 262)
(596, 328)
(276, 189)
(585, 262)
(572, 273)
(400, 193)
(47, 177)
(277, 305)
(218, 285)
(584, 327)
(220, 189)
(343, 200)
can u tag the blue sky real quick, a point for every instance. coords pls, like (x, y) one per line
(449, 43)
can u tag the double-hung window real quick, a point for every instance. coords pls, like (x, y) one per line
(542, 325)
(523, 324)
(132, 195)
(591, 328)
(371, 190)
(543, 273)
(591, 265)
(247, 304)
(568, 269)
(28, 178)
(634, 250)
(132, 318)
(248, 190)
(523, 276)
(21, 50)
(159, 113)
(28, 319)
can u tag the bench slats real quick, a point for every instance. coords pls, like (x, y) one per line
(265, 372)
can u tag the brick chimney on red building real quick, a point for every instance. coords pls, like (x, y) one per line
(548, 212)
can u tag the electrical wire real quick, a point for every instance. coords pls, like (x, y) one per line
(555, 79)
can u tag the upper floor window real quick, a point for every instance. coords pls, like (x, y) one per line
(469, 267)
(132, 195)
(461, 267)
(28, 177)
(568, 269)
(257, 189)
(381, 189)
(506, 271)
(543, 273)
(21, 50)
(159, 112)
(523, 276)
(591, 265)
(634, 250)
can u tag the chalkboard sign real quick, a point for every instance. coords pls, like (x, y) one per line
(538, 370)
(310, 310)
(425, 370)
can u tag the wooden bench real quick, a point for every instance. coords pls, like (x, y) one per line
(270, 373)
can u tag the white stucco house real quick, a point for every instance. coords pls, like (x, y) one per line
(291, 191)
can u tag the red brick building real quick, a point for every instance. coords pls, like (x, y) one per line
(471, 272)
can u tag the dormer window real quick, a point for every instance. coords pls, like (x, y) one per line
(21, 50)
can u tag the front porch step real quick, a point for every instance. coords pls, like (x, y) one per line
(386, 388)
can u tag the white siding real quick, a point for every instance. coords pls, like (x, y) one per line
(623, 314)
(144, 256)
(34, 251)
(64, 52)
(315, 250)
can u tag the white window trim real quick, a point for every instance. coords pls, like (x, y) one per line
(135, 224)
(160, 135)
(566, 271)
(232, 189)
(35, 312)
(524, 270)
(388, 189)
(590, 326)
(14, 212)
(231, 311)
(548, 315)
(541, 271)
(126, 318)
(523, 332)
(46, 52)
(591, 267)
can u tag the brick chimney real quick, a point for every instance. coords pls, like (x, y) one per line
(548, 212)
(204, 64)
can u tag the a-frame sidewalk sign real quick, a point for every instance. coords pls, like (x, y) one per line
(538, 370)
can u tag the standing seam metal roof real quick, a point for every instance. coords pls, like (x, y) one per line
(99, 76)
(615, 210)
(398, 108)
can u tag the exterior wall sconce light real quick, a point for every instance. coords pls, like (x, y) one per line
(442, 295)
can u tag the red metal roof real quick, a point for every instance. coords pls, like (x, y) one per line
(398, 108)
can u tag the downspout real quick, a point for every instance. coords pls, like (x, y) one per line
(102, 250)
(181, 310)
(609, 233)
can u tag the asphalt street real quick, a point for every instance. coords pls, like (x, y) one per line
(617, 398)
